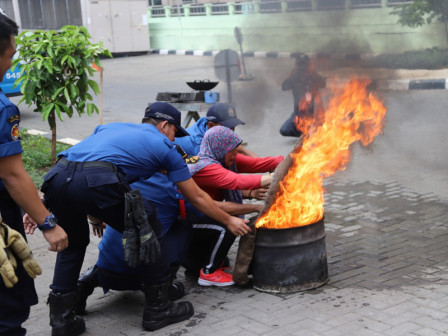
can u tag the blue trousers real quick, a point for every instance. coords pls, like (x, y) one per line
(72, 191)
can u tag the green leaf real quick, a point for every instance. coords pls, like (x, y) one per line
(48, 65)
(47, 110)
(56, 93)
(58, 112)
(73, 90)
(67, 96)
(94, 86)
(89, 109)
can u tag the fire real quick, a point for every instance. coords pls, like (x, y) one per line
(352, 115)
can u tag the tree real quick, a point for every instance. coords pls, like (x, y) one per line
(420, 12)
(56, 72)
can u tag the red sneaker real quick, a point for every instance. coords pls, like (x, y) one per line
(217, 278)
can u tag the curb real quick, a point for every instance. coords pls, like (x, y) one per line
(384, 85)
(67, 141)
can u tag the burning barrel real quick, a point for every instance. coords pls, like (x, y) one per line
(290, 252)
(290, 260)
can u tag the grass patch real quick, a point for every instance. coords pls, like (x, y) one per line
(37, 155)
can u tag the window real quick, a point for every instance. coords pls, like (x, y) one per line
(49, 14)
(7, 7)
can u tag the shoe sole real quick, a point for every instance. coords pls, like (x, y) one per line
(203, 282)
(151, 326)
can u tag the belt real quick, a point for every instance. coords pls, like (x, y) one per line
(65, 163)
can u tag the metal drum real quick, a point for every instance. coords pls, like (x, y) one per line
(290, 260)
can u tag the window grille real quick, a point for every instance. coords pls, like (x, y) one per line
(49, 14)
(220, 8)
(330, 4)
(299, 5)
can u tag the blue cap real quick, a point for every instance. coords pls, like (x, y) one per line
(224, 114)
(165, 111)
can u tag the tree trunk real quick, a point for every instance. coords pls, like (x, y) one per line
(53, 138)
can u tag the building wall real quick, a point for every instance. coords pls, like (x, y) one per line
(362, 30)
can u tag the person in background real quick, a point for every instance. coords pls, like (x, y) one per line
(17, 191)
(221, 172)
(305, 84)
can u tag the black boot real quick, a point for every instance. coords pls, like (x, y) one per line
(160, 311)
(86, 284)
(62, 318)
(176, 291)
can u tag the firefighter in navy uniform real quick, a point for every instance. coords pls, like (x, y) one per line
(92, 178)
(17, 191)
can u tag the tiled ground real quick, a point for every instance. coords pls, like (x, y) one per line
(387, 256)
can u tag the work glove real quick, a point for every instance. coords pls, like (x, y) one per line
(15, 241)
(140, 243)
(149, 244)
(129, 240)
(12, 243)
(7, 263)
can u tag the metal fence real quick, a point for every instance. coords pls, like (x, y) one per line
(269, 6)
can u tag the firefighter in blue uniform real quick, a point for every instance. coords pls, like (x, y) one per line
(17, 191)
(92, 178)
(176, 215)
(111, 270)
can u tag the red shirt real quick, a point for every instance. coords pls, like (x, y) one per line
(215, 177)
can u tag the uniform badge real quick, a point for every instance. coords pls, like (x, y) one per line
(15, 132)
(14, 118)
(192, 159)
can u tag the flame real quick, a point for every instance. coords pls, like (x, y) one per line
(352, 115)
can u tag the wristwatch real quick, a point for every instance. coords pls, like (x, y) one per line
(50, 223)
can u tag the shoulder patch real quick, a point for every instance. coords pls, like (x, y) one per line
(14, 118)
(15, 132)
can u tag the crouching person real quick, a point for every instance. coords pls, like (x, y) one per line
(174, 212)
(92, 178)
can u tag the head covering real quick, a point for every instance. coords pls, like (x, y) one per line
(224, 114)
(165, 111)
(217, 142)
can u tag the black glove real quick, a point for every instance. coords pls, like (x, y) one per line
(140, 243)
(129, 240)
(149, 244)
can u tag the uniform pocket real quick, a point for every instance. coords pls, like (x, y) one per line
(47, 178)
(96, 180)
(105, 189)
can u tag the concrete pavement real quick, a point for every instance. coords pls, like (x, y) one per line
(385, 219)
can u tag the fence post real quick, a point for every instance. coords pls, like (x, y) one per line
(208, 9)
(186, 9)
(167, 11)
(231, 8)
(284, 5)
(257, 7)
